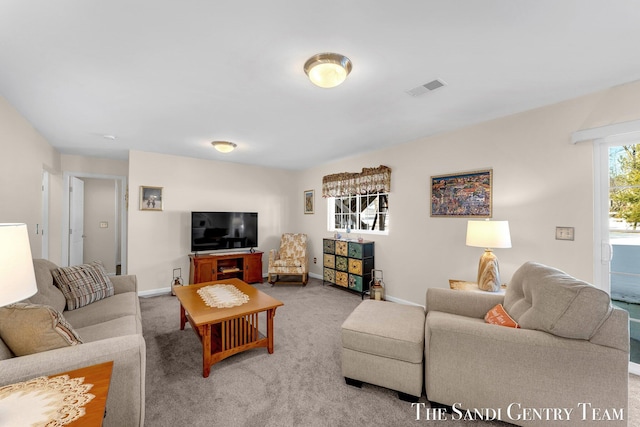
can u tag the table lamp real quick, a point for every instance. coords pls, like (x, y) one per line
(488, 234)
(18, 279)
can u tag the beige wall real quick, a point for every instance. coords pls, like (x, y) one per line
(540, 181)
(94, 165)
(159, 241)
(25, 155)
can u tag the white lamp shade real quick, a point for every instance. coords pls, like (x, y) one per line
(18, 280)
(488, 234)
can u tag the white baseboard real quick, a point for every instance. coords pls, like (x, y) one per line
(154, 292)
(167, 290)
(402, 301)
(387, 297)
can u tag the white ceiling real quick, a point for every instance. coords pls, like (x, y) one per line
(170, 76)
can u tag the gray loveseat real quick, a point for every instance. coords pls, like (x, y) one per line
(571, 353)
(110, 329)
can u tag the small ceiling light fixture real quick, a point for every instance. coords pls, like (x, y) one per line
(224, 146)
(327, 69)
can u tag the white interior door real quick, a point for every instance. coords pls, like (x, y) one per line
(76, 221)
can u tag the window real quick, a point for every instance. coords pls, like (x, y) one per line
(358, 202)
(363, 213)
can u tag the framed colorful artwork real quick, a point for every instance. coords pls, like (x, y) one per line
(465, 194)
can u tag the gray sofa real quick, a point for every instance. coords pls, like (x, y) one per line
(572, 351)
(111, 330)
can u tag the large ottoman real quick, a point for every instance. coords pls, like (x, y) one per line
(383, 344)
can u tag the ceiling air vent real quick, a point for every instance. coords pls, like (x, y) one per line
(427, 87)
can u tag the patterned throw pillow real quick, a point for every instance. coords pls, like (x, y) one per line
(83, 284)
(499, 316)
(32, 328)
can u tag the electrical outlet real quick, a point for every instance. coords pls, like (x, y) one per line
(565, 233)
(315, 260)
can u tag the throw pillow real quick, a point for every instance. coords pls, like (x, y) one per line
(83, 284)
(32, 328)
(499, 316)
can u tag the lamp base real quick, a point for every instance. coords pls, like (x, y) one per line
(488, 272)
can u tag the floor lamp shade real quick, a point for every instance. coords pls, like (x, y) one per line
(488, 234)
(16, 264)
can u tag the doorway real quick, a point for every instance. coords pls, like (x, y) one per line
(624, 236)
(618, 213)
(95, 213)
(76, 221)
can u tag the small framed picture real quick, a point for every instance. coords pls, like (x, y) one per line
(308, 202)
(150, 198)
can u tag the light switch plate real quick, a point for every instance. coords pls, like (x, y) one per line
(104, 224)
(565, 233)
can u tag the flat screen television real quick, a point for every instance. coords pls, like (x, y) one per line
(212, 231)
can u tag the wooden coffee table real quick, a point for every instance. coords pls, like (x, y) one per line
(226, 331)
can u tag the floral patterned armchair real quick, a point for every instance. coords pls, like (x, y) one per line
(290, 259)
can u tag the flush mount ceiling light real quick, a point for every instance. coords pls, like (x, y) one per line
(224, 146)
(327, 69)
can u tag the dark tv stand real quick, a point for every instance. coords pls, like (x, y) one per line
(246, 266)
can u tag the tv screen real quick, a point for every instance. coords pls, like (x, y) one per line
(211, 231)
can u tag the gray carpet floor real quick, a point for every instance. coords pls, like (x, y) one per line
(300, 384)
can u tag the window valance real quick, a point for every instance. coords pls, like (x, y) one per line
(370, 180)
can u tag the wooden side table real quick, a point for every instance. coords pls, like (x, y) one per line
(51, 392)
(100, 377)
(463, 285)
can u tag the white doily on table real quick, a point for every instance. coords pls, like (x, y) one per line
(222, 296)
(44, 402)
